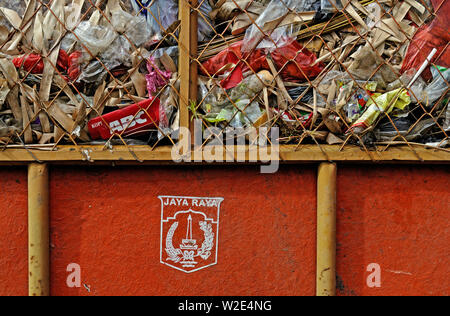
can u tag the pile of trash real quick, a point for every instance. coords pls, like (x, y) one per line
(72, 72)
(333, 72)
(330, 71)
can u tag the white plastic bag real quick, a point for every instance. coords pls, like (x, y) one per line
(277, 9)
(95, 38)
(438, 87)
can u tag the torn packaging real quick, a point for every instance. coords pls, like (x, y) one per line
(134, 120)
(34, 63)
(294, 60)
(434, 35)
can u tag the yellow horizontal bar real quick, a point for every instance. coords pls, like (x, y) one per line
(305, 153)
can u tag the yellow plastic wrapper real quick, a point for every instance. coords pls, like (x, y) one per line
(384, 103)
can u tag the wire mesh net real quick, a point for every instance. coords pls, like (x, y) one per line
(367, 73)
(364, 73)
(88, 71)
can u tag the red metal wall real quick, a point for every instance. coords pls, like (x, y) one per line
(108, 221)
(13, 231)
(397, 217)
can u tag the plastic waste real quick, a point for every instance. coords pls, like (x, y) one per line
(134, 120)
(439, 86)
(133, 27)
(218, 107)
(275, 11)
(167, 111)
(164, 13)
(384, 103)
(94, 72)
(447, 120)
(433, 35)
(252, 85)
(156, 78)
(387, 132)
(352, 98)
(118, 53)
(308, 98)
(416, 91)
(95, 38)
(34, 64)
(241, 115)
(301, 120)
(330, 6)
(257, 60)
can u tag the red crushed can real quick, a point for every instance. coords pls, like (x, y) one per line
(134, 120)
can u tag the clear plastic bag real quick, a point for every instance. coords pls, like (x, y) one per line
(95, 38)
(218, 107)
(94, 72)
(164, 13)
(447, 120)
(133, 27)
(330, 6)
(167, 111)
(276, 10)
(240, 115)
(438, 87)
(118, 53)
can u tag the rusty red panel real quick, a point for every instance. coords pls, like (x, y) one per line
(108, 221)
(396, 218)
(13, 232)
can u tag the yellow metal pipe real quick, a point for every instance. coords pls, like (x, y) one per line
(326, 230)
(38, 231)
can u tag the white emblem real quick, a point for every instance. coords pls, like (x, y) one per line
(189, 232)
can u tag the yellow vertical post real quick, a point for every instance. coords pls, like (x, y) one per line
(326, 230)
(38, 231)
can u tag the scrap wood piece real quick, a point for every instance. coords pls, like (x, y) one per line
(417, 6)
(334, 140)
(348, 40)
(47, 77)
(401, 10)
(28, 15)
(63, 85)
(279, 81)
(379, 38)
(38, 35)
(289, 19)
(416, 18)
(28, 135)
(390, 26)
(4, 91)
(38, 108)
(13, 101)
(46, 138)
(51, 24)
(168, 63)
(352, 11)
(139, 82)
(99, 102)
(244, 20)
(65, 121)
(9, 72)
(77, 6)
(226, 10)
(12, 17)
